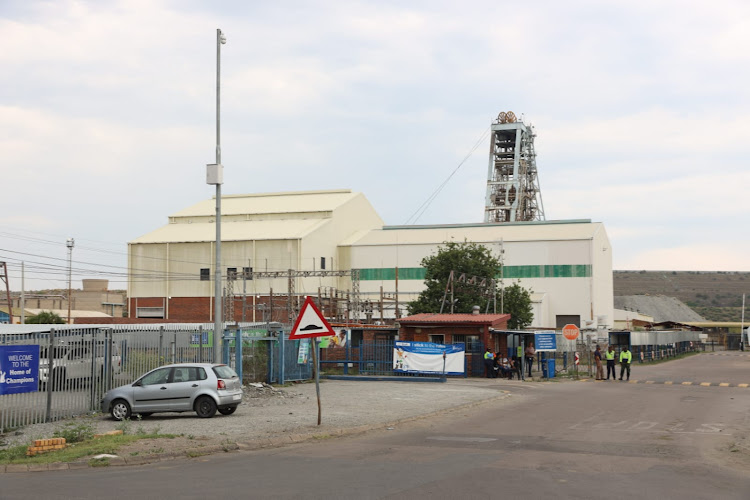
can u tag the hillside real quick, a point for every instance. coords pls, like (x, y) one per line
(717, 296)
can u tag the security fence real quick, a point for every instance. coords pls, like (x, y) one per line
(76, 366)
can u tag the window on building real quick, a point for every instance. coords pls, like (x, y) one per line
(437, 339)
(205, 274)
(231, 273)
(149, 312)
(247, 272)
(470, 341)
(322, 262)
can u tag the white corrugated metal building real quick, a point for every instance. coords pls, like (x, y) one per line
(567, 264)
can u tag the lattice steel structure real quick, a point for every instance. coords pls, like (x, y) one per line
(513, 193)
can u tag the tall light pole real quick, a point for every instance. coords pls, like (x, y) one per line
(215, 175)
(70, 243)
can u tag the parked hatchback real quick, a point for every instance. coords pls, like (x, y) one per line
(200, 387)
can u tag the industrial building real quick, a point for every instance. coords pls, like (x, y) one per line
(279, 247)
(308, 243)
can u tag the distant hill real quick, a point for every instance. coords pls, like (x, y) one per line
(716, 296)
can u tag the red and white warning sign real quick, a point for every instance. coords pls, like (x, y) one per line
(310, 323)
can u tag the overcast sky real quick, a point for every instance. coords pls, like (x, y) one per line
(107, 117)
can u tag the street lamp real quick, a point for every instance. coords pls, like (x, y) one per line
(70, 243)
(215, 176)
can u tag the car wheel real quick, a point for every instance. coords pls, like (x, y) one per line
(205, 407)
(228, 411)
(120, 410)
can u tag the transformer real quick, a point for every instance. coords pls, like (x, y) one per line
(513, 193)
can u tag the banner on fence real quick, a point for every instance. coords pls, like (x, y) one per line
(19, 368)
(426, 357)
(303, 355)
(545, 341)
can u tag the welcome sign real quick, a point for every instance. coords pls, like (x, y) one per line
(426, 357)
(19, 368)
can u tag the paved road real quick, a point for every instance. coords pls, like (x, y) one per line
(546, 440)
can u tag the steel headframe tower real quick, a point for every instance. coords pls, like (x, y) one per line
(513, 193)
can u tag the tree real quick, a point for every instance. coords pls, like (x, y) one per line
(466, 257)
(517, 303)
(45, 318)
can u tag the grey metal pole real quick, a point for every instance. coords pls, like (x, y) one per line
(50, 372)
(70, 243)
(220, 39)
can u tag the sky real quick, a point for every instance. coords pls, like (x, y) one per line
(107, 118)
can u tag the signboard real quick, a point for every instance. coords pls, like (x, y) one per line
(310, 323)
(304, 352)
(19, 368)
(426, 357)
(571, 332)
(205, 338)
(545, 341)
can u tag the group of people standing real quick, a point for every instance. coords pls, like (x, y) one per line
(610, 356)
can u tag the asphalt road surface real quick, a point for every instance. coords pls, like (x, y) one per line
(613, 440)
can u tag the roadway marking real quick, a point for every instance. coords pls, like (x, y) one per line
(462, 439)
(687, 383)
(593, 423)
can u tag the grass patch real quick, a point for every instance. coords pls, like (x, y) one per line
(106, 444)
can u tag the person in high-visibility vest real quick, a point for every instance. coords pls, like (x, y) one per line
(625, 358)
(610, 357)
(489, 362)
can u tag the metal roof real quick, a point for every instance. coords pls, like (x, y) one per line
(233, 231)
(536, 231)
(271, 203)
(435, 318)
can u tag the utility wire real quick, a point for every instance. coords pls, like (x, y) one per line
(425, 205)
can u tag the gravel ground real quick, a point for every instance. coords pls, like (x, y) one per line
(267, 412)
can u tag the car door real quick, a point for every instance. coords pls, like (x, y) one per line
(151, 392)
(184, 386)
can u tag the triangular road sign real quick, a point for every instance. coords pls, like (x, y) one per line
(310, 323)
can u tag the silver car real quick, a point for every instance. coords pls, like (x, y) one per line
(200, 387)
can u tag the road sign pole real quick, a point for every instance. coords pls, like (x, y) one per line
(316, 364)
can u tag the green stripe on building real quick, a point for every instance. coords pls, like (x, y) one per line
(510, 272)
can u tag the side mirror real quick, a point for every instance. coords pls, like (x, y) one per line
(137, 383)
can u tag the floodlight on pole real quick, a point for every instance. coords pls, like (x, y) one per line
(215, 175)
(70, 243)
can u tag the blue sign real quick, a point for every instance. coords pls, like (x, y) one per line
(426, 357)
(545, 341)
(19, 368)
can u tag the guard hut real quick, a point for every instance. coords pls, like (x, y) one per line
(474, 330)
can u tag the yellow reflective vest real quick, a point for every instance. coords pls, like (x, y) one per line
(626, 356)
(610, 355)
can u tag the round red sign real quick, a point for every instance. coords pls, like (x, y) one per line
(571, 332)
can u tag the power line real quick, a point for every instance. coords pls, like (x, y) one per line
(425, 205)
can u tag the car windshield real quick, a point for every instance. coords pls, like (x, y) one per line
(223, 371)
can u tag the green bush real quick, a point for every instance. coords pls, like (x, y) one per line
(75, 433)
